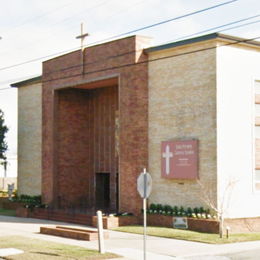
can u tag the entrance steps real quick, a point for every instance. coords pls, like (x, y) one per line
(75, 233)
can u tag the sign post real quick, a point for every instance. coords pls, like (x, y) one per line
(101, 246)
(144, 187)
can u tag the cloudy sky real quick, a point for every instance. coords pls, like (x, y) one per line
(35, 30)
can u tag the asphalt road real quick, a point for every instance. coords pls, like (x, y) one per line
(245, 255)
(241, 255)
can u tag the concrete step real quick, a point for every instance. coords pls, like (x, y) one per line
(75, 233)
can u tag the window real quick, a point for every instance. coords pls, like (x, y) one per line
(257, 137)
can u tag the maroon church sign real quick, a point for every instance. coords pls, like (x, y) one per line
(179, 159)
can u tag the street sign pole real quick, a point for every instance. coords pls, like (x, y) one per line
(144, 207)
(144, 187)
(144, 210)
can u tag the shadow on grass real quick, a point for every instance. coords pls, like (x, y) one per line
(44, 253)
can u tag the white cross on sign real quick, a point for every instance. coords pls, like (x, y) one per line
(167, 155)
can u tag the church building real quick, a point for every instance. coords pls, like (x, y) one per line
(188, 111)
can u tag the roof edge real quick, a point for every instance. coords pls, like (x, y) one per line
(26, 82)
(202, 38)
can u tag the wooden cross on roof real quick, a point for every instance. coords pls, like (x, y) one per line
(82, 36)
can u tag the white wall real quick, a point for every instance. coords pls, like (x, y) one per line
(237, 69)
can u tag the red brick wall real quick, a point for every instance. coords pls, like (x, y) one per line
(114, 222)
(159, 220)
(86, 144)
(200, 225)
(72, 147)
(64, 72)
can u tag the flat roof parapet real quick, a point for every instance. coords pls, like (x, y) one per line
(26, 82)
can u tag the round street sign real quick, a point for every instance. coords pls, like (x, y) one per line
(144, 184)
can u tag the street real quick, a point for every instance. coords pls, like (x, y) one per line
(130, 246)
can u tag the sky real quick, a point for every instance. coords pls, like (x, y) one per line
(33, 31)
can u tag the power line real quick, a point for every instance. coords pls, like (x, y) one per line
(64, 20)
(43, 15)
(16, 79)
(220, 26)
(54, 35)
(166, 21)
(105, 18)
(239, 26)
(156, 59)
(126, 53)
(122, 34)
(58, 9)
(153, 60)
(121, 11)
(81, 12)
(5, 88)
(176, 39)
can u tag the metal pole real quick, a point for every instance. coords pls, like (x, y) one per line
(101, 246)
(144, 211)
(144, 208)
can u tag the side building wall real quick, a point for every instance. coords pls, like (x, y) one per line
(237, 70)
(182, 105)
(29, 139)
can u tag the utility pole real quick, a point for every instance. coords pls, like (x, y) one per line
(82, 37)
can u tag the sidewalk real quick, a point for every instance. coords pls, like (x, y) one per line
(130, 246)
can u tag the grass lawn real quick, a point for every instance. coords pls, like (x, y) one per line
(35, 249)
(7, 212)
(190, 235)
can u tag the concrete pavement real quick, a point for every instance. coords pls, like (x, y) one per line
(130, 246)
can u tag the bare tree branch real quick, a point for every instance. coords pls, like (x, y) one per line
(221, 207)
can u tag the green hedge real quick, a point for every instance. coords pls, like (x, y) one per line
(29, 201)
(197, 212)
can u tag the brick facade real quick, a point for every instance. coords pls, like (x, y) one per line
(65, 143)
(111, 115)
(29, 139)
(92, 115)
(186, 96)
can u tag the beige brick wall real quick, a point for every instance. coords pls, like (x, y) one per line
(182, 104)
(29, 139)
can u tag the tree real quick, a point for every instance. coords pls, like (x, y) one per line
(220, 207)
(3, 144)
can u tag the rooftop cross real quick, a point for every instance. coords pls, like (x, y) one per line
(82, 36)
